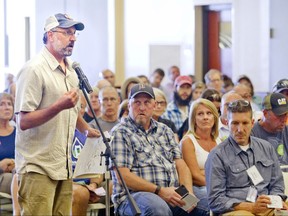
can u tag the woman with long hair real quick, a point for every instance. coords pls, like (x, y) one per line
(201, 138)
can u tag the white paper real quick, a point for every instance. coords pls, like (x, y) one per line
(276, 202)
(189, 200)
(100, 191)
(280, 212)
(88, 163)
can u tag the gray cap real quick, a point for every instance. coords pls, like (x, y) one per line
(62, 21)
(141, 88)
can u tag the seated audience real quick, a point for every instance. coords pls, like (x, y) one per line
(156, 78)
(93, 96)
(177, 110)
(11, 85)
(8, 181)
(7, 142)
(109, 101)
(173, 73)
(272, 127)
(227, 84)
(213, 96)
(127, 85)
(243, 79)
(102, 83)
(209, 94)
(144, 79)
(223, 122)
(123, 110)
(243, 171)
(161, 105)
(108, 75)
(200, 139)
(149, 160)
(197, 89)
(245, 91)
(282, 87)
(213, 80)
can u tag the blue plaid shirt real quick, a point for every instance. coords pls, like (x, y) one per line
(173, 114)
(150, 155)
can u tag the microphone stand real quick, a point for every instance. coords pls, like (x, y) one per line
(134, 208)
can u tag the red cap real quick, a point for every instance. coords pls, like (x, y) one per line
(180, 80)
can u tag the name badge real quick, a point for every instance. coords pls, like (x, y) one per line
(252, 194)
(254, 175)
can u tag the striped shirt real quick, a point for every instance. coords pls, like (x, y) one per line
(148, 154)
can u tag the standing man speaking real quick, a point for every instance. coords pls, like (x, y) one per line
(47, 113)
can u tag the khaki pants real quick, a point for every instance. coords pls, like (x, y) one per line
(269, 212)
(40, 195)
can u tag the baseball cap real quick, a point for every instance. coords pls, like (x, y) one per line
(180, 80)
(62, 21)
(276, 102)
(281, 85)
(141, 88)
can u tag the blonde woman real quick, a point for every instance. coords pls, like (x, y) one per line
(200, 139)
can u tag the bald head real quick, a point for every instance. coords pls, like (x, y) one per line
(109, 76)
(225, 100)
(244, 91)
(103, 83)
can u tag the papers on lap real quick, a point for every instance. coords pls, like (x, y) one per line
(88, 163)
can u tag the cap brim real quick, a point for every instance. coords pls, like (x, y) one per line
(139, 92)
(279, 90)
(182, 83)
(67, 24)
(280, 110)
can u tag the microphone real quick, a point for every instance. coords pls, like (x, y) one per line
(82, 78)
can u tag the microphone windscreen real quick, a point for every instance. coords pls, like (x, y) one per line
(75, 65)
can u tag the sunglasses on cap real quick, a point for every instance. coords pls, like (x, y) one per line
(238, 103)
(214, 97)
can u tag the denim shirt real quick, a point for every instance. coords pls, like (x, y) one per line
(227, 180)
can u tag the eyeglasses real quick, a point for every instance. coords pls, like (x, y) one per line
(214, 97)
(161, 103)
(238, 103)
(67, 33)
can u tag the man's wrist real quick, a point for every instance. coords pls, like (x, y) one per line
(157, 190)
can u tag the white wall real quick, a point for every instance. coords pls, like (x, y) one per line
(16, 35)
(250, 36)
(158, 22)
(279, 41)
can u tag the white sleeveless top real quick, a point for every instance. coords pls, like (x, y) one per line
(201, 154)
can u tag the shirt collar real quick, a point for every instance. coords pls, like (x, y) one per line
(53, 63)
(137, 128)
(236, 147)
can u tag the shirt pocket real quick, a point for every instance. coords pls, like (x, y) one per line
(265, 167)
(143, 155)
(168, 151)
(238, 176)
